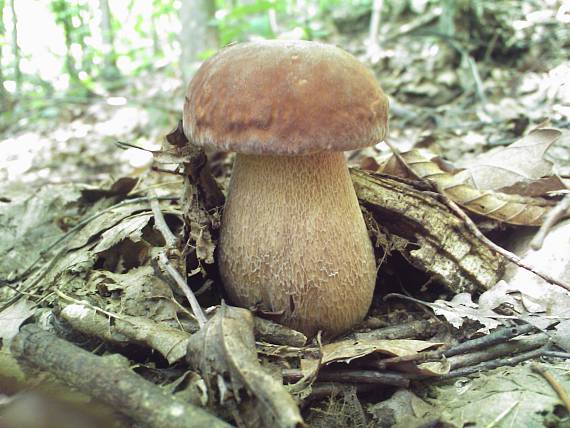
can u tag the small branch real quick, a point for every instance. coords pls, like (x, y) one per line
(164, 264)
(557, 354)
(373, 46)
(88, 305)
(160, 223)
(554, 216)
(490, 365)
(500, 350)
(500, 335)
(365, 376)
(553, 383)
(419, 358)
(502, 415)
(513, 258)
(413, 329)
(109, 381)
(352, 376)
(268, 331)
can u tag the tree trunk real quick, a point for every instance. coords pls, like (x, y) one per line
(198, 34)
(156, 50)
(110, 71)
(16, 48)
(4, 96)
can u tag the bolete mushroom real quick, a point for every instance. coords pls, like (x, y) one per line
(293, 239)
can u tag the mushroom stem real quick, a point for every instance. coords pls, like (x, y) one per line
(293, 241)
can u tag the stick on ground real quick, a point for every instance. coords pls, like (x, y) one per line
(115, 385)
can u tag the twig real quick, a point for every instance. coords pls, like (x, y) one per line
(506, 254)
(415, 329)
(412, 26)
(373, 47)
(512, 347)
(493, 364)
(352, 376)
(419, 358)
(88, 305)
(165, 265)
(556, 354)
(552, 217)
(475, 230)
(553, 383)
(502, 415)
(160, 222)
(268, 331)
(498, 336)
(108, 381)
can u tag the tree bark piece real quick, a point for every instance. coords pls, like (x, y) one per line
(107, 381)
(442, 245)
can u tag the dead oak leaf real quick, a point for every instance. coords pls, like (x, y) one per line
(522, 161)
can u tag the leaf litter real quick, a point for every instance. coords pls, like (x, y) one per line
(108, 263)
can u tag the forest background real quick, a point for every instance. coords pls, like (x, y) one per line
(117, 70)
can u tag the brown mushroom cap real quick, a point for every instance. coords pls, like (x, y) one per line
(284, 97)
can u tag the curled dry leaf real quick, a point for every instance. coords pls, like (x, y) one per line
(511, 209)
(224, 353)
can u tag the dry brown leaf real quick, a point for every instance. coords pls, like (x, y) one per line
(540, 187)
(204, 245)
(512, 209)
(224, 353)
(349, 350)
(522, 161)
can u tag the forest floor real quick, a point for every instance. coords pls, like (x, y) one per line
(456, 98)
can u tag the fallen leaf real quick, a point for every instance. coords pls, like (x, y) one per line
(130, 227)
(204, 244)
(13, 317)
(462, 308)
(224, 353)
(514, 395)
(539, 301)
(345, 351)
(348, 350)
(522, 161)
(511, 209)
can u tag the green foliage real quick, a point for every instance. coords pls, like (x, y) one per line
(237, 22)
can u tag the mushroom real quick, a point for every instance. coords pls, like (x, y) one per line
(293, 240)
